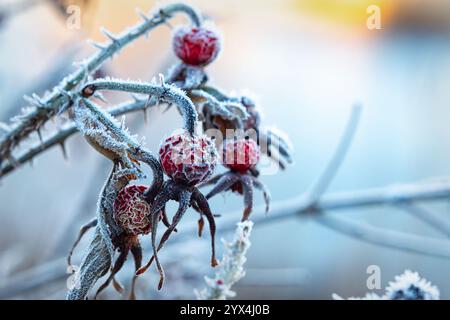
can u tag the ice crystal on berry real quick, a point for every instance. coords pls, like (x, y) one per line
(187, 158)
(196, 46)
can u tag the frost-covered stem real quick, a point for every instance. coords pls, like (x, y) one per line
(166, 92)
(324, 180)
(107, 120)
(385, 237)
(231, 267)
(59, 99)
(60, 137)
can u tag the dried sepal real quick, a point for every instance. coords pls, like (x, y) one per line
(98, 258)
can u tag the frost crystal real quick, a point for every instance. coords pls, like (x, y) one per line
(407, 286)
(410, 286)
(231, 267)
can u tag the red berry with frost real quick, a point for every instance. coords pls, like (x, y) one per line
(196, 46)
(131, 210)
(240, 155)
(188, 159)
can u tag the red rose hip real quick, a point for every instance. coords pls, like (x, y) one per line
(240, 155)
(196, 46)
(188, 159)
(131, 210)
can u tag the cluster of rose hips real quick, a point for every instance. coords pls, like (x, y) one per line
(189, 161)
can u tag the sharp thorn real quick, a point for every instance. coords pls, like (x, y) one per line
(13, 161)
(142, 14)
(167, 107)
(169, 25)
(145, 115)
(39, 133)
(161, 79)
(96, 44)
(136, 98)
(108, 34)
(100, 96)
(147, 103)
(64, 151)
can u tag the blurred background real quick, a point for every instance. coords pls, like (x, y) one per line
(307, 62)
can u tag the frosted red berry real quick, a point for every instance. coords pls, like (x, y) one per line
(196, 46)
(240, 155)
(188, 159)
(131, 210)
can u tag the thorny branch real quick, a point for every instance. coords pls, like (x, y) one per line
(60, 137)
(60, 98)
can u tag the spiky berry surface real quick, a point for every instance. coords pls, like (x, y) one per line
(196, 46)
(188, 159)
(240, 155)
(131, 210)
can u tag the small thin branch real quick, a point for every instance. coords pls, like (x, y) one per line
(386, 238)
(428, 217)
(319, 188)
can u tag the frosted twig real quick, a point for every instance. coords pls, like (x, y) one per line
(332, 168)
(165, 92)
(385, 237)
(231, 267)
(60, 137)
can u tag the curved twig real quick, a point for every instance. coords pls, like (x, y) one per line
(165, 92)
(330, 171)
